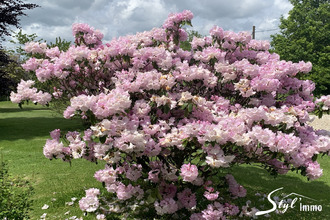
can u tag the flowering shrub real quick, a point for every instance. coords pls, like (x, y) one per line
(170, 123)
(24, 92)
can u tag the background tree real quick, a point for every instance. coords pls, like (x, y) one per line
(305, 35)
(5, 82)
(10, 13)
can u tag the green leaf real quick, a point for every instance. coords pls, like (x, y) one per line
(103, 139)
(159, 196)
(184, 106)
(314, 158)
(199, 151)
(166, 109)
(190, 107)
(151, 199)
(274, 155)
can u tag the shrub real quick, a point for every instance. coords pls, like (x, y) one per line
(170, 123)
(15, 196)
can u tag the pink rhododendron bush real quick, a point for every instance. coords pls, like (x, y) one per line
(170, 123)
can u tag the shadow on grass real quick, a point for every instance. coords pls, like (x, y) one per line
(28, 128)
(256, 179)
(12, 110)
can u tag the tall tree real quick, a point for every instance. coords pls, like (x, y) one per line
(10, 13)
(305, 35)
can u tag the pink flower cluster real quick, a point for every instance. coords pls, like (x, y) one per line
(189, 172)
(175, 19)
(102, 105)
(35, 47)
(165, 120)
(25, 92)
(90, 202)
(166, 206)
(85, 35)
(234, 188)
(326, 102)
(216, 211)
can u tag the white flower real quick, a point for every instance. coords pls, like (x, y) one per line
(100, 217)
(43, 216)
(69, 203)
(45, 206)
(219, 160)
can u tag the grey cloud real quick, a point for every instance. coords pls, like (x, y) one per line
(81, 4)
(214, 9)
(120, 17)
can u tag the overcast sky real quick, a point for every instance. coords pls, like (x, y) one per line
(120, 17)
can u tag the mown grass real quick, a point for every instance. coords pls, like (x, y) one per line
(257, 180)
(24, 132)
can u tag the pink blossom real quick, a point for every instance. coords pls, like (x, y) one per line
(126, 192)
(166, 206)
(167, 190)
(153, 175)
(92, 192)
(325, 100)
(189, 172)
(107, 175)
(211, 196)
(69, 112)
(133, 173)
(32, 64)
(55, 134)
(187, 199)
(213, 211)
(313, 170)
(24, 92)
(35, 47)
(53, 149)
(89, 203)
(234, 188)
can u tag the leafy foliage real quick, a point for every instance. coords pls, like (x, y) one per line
(10, 64)
(305, 35)
(20, 39)
(185, 45)
(15, 196)
(10, 11)
(5, 82)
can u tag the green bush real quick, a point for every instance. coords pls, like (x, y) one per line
(15, 195)
(305, 35)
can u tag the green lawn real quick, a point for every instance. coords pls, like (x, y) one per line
(255, 179)
(23, 134)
